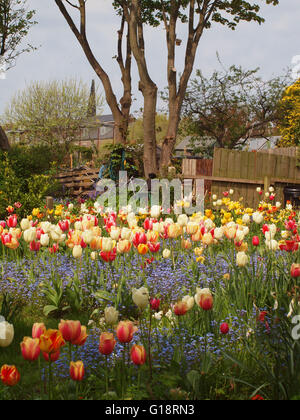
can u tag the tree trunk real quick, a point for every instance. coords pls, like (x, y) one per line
(4, 144)
(150, 101)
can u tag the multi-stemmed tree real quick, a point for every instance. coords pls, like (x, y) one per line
(197, 16)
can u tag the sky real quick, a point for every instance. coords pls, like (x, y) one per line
(270, 46)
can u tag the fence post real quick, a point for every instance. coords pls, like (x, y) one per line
(267, 183)
(49, 205)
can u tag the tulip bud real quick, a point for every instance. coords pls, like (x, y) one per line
(77, 251)
(141, 297)
(138, 355)
(77, 371)
(9, 375)
(224, 328)
(111, 315)
(255, 241)
(70, 330)
(180, 308)
(30, 348)
(125, 331)
(295, 270)
(6, 334)
(38, 329)
(107, 343)
(166, 254)
(204, 299)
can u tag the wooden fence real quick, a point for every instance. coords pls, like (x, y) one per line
(78, 182)
(245, 171)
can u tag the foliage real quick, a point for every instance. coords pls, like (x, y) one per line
(289, 125)
(50, 113)
(18, 184)
(15, 22)
(136, 130)
(228, 108)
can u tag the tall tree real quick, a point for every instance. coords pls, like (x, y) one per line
(121, 112)
(198, 15)
(15, 22)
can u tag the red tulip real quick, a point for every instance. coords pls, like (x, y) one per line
(255, 241)
(180, 308)
(77, 371)
(38, 329)
(289, 246)
(139, 239)
(34, 246)
(64, 225)
(138, 355)
(30, 348)
(125, 331)
(9, 375)
(80, 341)
(154, 303)
(154, 248)
(107, 343)
(224, 328)
(12, 221)
(70, 330)
(109, 256)
(295, 270)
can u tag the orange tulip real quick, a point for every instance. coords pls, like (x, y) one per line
(51, 341)
(9, 375)
(30, 348)
(80, 341)
(107, 343)
(125, 331)
(38, 329)
(143, 249)
(138, 355)
(77, 371)
(70, 330)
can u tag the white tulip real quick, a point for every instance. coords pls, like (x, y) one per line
(242, 259)
(6, 334)
(25, 224)
(45, 239)
(29, 235)
(141, 297)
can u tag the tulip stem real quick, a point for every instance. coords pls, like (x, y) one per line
(106, 373)
(50, 377)
(149, 343)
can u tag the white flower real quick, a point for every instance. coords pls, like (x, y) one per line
(166, 253)
(242, 259)
(158, 315)
(214, 197)
(182, 219)
(155, 212)
(218, 233)
(258, 217)
(272, 245)
(231, 192)
(87, 236)
(189, 300)
(107, 244)
(29, 235)
(77, 251)
(141, 297)
(111, 315)
(25, 224)
(271, 189)
(6, 334)
(45, 239)
(246, 218)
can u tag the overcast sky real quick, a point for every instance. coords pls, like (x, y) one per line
(270, 46)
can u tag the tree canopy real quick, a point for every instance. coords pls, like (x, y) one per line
(230, 107)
